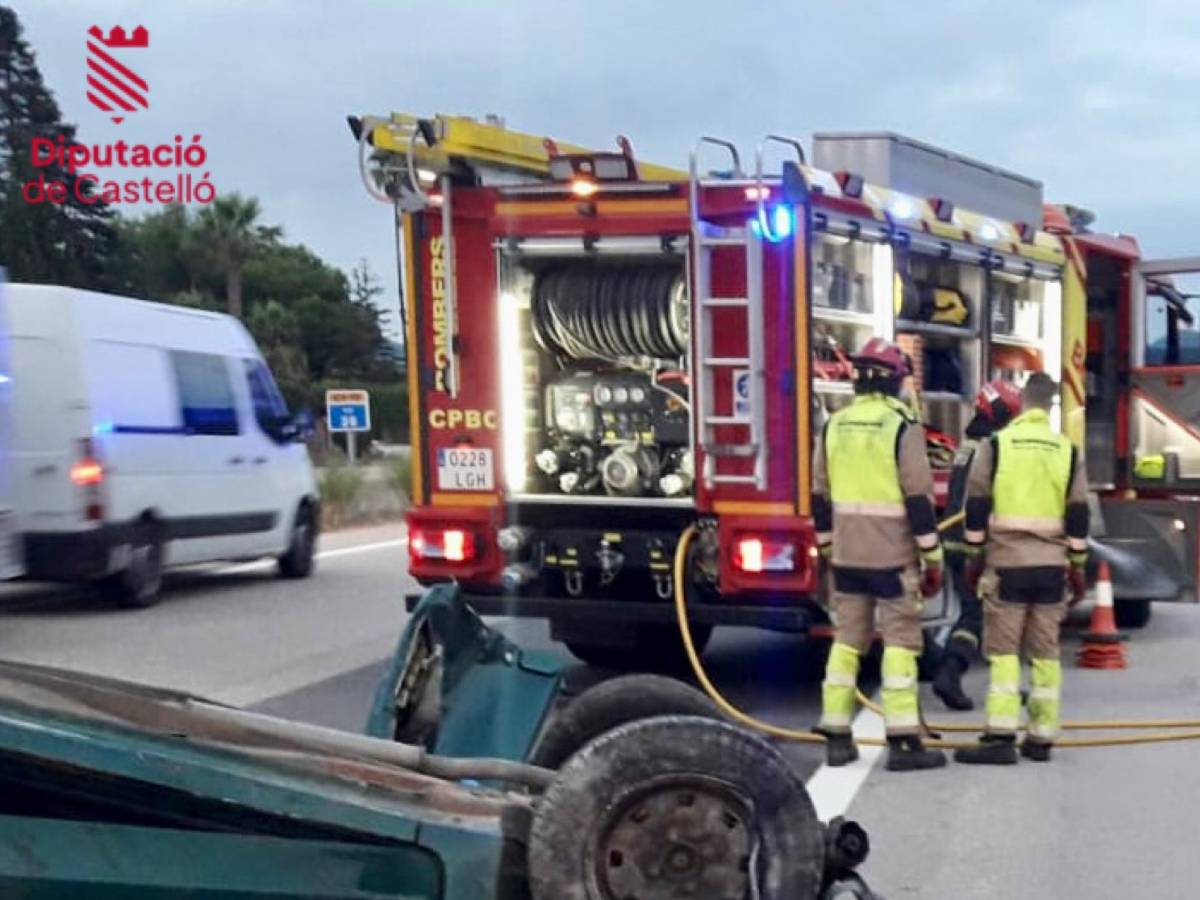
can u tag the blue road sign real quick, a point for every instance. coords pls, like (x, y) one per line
(348, 410)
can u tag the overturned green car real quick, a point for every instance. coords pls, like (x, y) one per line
(477, 781)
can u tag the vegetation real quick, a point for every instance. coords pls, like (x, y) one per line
(317, 327)
(400, 475)
(230, 226)
(70, 242)
(339, 487)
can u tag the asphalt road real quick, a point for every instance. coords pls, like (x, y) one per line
(1095, 823)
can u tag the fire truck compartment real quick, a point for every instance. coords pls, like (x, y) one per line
(596, 353)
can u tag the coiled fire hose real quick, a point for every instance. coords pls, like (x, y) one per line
(808, 737)
(597, 311)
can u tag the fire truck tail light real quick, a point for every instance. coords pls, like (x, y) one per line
(449, 544)
(755, 555)
(455, 545)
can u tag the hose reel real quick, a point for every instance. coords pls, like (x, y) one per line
(611, 311)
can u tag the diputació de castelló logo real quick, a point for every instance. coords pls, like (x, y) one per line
(72, 169)
(112, 85)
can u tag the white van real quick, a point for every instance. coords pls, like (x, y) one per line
(148, 435)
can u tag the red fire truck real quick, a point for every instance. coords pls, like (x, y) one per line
(602, 352)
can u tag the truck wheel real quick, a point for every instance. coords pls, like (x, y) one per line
(676, 807)
(611, 704)
(1132, 613)
(138, 585)
(655, 647)
(298, 561)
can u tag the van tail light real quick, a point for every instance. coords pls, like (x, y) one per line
(87, 472)
(755, 554)
(454, 545)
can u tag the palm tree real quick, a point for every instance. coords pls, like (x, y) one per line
(230, 223)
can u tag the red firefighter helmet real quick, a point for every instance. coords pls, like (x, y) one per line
(883, 356)
(998, 401)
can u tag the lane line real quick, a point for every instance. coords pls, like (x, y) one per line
(263, 564)
(833, 789)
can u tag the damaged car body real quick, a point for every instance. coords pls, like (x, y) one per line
(114, 790)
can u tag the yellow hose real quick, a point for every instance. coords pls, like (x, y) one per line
(808, 737)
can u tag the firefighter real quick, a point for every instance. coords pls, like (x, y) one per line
(873, 507)
(1026, 531)
(996, 404)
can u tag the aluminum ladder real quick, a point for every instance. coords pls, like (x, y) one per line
(706, 238)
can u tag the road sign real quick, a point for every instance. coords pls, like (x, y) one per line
(348, 410)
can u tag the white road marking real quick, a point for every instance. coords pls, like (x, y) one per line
(264, 564)
(833, 789)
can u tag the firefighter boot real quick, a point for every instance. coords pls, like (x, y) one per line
(1038, 751)
(840, 749)
(908, 754)
(947, 684)
(992, 750)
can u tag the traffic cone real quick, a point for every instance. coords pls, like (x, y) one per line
(1102, 647)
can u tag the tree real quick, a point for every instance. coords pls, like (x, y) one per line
(364, 286)
(287, 272)
(70, 242)
(277, 332)
(230, 223)
(162, 254)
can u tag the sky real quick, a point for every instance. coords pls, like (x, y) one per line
(1097, 100)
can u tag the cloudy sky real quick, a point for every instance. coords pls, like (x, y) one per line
(1098, 100)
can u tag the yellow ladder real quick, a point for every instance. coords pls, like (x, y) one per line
(434, 144)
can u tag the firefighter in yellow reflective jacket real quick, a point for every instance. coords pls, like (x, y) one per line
(1026, 529)
(873, 507)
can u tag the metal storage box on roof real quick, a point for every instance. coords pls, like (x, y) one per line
(907, 165)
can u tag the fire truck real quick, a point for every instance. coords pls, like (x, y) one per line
(603, 351)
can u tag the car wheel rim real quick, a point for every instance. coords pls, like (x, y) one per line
(681, 837)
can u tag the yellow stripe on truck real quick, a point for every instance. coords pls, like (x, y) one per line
(413, 353)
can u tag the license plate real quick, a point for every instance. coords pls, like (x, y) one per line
(465, 469)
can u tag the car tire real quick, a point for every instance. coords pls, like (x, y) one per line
(613, 703)
(300, 558)
(676, 806)
(1132, 613)
(655, 648)
(139, 584)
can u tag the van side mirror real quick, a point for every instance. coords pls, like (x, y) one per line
(303, 425)
(300, 427)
